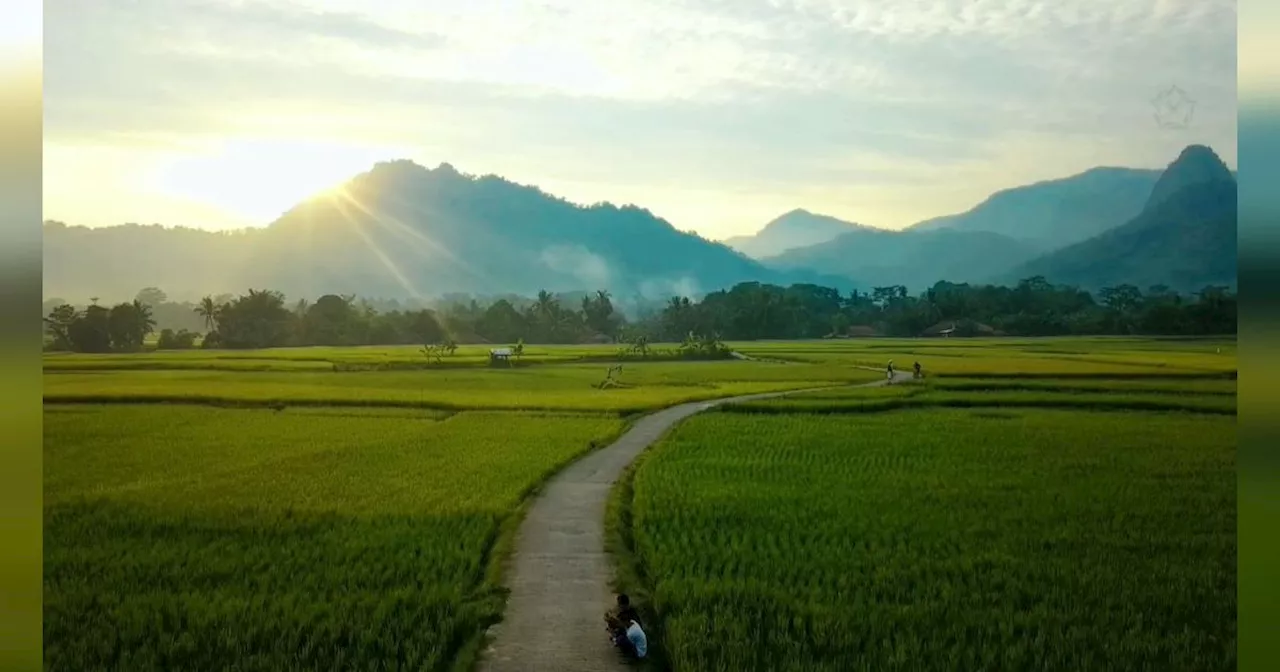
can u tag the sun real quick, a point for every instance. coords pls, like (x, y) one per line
(256, 180)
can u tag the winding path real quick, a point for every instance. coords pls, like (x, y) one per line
(559, 577)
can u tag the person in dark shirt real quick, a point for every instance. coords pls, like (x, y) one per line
(917, 369)
(623, 624)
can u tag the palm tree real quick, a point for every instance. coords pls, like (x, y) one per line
(146, 323)
(208, 309)
(545, 304)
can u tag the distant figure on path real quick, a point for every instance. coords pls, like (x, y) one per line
(889, 371)
(917, 369)
(623, 623)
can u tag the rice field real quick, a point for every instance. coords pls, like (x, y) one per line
(1102, 357)
(325, 508)
(196, 538)
(644, 387)
(1030, 529)
(319, 358)
(886, 399)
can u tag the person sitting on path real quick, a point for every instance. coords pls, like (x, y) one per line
(623, 623)
(639, 643)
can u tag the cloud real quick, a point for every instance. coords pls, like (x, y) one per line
(256, 25)
(798, 97)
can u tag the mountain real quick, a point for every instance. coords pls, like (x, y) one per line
(913, 258)
(1196, 165)
(1056, 213)
(1185, 236)
(401, 230)
(798, 228)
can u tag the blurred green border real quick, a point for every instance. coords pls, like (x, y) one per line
(1258, 497)
(20, 405)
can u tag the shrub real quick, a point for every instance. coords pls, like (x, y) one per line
(180, 340)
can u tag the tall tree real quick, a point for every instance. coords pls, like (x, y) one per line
(598, 313)
(208, 310)
(331, 320)
(502, 323)
(90, 332)
(425, 326)
(151, 296)
(258, 319)
(58, 325)
(129, 324)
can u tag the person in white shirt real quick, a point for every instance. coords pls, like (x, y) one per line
(623, 624)
(639, 642)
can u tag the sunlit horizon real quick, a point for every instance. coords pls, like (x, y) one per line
(183, 113)
(255, 199)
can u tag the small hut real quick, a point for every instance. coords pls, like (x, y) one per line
(499, 356)
(862, 331)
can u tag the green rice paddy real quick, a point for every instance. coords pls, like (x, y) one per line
(1047, 504)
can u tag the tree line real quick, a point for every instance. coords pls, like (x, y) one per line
(747, 311)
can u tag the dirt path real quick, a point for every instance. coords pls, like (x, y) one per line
(560, 574)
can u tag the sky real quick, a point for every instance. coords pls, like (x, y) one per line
(717, 115)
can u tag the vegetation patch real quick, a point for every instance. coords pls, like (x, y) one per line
(649, 386)
(927, 398)
(939, 539)
(188, 538)
(1177, 386)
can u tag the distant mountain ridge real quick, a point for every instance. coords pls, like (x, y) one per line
(794, 229)
(1054, 213)
(401, 230)
(1184, 238)
(912, 258)
(1102, 227)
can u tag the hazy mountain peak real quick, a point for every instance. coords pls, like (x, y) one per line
(793, 229)
(386, 175)
(397, 166)
(1196, 164)
(1185, 238)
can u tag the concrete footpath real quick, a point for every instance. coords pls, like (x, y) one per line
(559, 575)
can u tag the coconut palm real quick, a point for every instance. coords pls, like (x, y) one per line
(208, 309)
